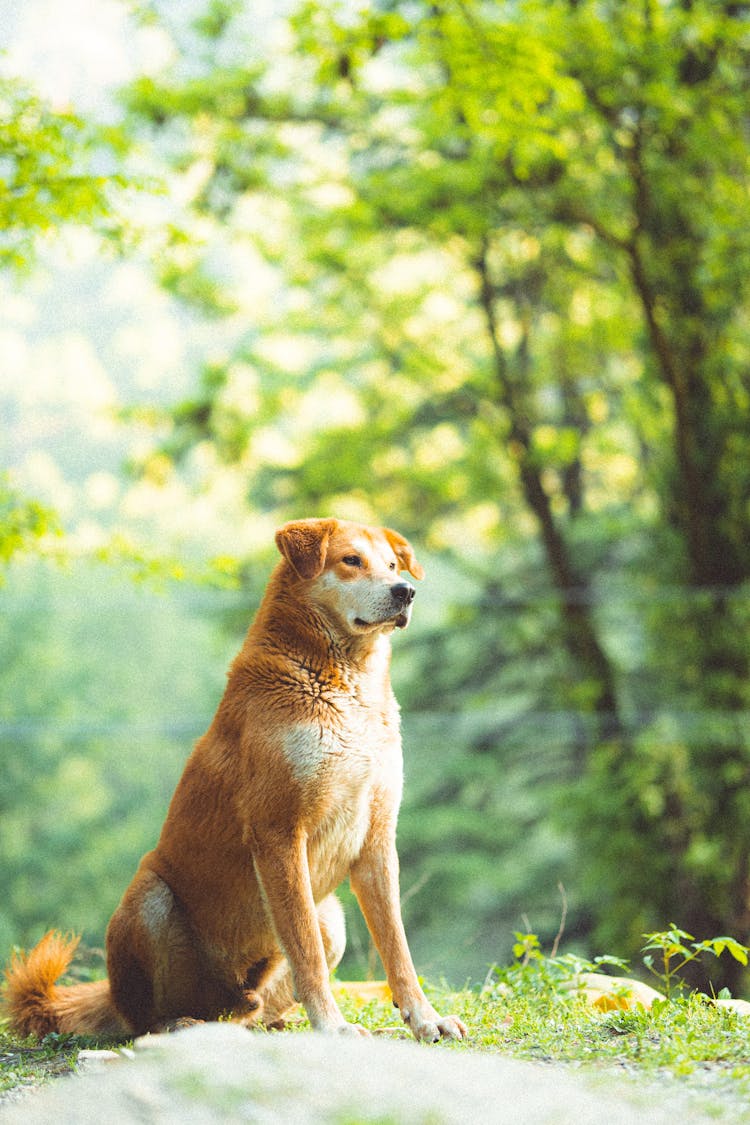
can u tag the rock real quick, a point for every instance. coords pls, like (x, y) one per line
(612, 993)
(219, 1073)
(742, 1007)
(92, 1060)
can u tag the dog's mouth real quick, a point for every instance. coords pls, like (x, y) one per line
(399, 621)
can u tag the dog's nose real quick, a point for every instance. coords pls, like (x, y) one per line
(403, 593)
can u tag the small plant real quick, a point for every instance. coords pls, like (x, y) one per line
(535, 972)
(675, 954)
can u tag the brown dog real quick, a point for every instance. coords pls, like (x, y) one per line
(295, 785)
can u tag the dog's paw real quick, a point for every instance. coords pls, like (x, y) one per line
(354, 1029)
(441, 1027)
(451, 1027)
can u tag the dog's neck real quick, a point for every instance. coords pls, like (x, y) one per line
(286, 621)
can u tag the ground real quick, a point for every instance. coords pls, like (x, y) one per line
(220, 1072)
(686, 1060)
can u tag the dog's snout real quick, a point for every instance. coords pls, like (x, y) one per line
(403, 593)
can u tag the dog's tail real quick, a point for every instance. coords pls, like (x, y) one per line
(37, 1005)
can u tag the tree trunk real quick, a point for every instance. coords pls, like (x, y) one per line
(579, 630)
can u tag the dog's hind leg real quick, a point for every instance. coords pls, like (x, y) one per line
(277, 992)
(157, 971)
(133, 936)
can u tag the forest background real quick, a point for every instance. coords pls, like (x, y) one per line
(479, 271)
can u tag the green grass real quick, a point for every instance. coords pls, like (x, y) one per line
(25, 1062)
(679, 1037)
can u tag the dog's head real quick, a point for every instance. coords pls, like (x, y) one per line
(352, 572)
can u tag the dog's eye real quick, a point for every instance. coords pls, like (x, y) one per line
(352, 560)
(391, 566)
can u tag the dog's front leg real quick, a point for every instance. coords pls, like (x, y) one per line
(283, 873)
(374, 880)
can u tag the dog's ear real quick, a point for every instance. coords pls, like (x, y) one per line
(404, 552)
(304, 544)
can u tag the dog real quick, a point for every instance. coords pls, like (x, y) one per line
(295, 786)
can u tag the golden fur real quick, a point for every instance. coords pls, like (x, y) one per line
(295, 786)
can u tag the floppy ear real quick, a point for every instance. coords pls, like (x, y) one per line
(304, 544)
(404, 553)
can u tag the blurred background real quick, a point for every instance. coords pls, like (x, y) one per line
(477, 271)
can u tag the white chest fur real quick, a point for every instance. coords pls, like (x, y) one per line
(309, 748)
(340, 768)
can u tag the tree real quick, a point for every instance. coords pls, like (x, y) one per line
(56, 170)
(22, 521)
(86, 738)
(514, 262)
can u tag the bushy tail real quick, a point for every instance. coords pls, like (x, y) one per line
(37, 1005)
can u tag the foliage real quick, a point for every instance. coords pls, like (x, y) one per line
(533, 972)
(104, 685)
(23, 522)
(55, 169)
(670, 944)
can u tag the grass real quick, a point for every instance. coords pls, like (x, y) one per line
(526, 1011)
(25, 1062)
(679, 1037)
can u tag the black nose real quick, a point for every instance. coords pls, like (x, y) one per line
(403, 593)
